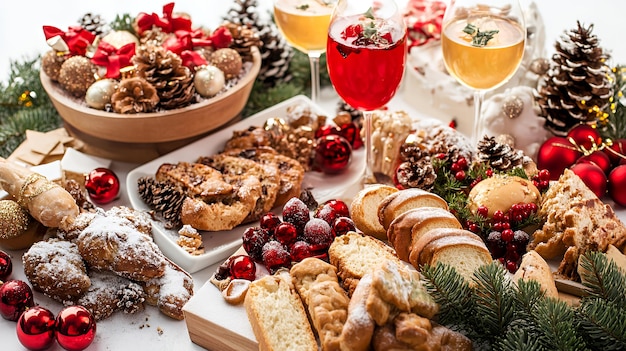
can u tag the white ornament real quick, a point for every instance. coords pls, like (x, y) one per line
(119, 38)
(209, 80)
(99, 93)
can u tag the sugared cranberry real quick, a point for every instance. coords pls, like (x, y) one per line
(275, 256)
(318, 234)
(300, 250)
(332, 209)
(253, 240)
(343, 225)
(286, 233)
(495, 244)
(297, 213)
(242, 267)
(269, 221)
(520, 238)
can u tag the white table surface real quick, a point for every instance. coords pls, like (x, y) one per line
(21, 36)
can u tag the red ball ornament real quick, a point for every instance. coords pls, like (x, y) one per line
(102, 185)
(332, 154)
(556, 154)
(585, 136)
(598, 158)
(593, 176)
(617, 185)
(15, 297)
(616, 151)
(6, 265)
(76, 328)
(36, 328)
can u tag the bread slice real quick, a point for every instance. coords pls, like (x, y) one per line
(533, 266)
(277, 315)
(410, 225)
(355, 255)
(421, 241)
(397, 203)
(364, 209)
(464, 253)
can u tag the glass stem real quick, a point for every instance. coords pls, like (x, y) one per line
(479, 96)
(314, 60)
(368, 175)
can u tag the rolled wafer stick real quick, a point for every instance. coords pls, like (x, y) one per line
(47, 202)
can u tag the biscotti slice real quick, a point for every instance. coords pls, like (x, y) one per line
(397, 203)
(277, 315)
(418, 245)
(364, 209)
(355, 255)
(533, 266)
(410, 225)
(464, 253)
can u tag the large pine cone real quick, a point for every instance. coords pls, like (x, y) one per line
(134, 95)
(165, 71)
(244, 38)
(415, 170)
(577, 87)
(500, 156)
(165, 199)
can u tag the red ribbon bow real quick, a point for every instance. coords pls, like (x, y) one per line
(183, 43)
(112, 58)
(76, 40)
(424, 19)
(168, 23)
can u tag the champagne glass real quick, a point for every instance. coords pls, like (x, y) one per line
(304, 24)
(482, 43)
(366, 55)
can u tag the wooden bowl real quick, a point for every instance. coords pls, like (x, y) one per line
(144, 136)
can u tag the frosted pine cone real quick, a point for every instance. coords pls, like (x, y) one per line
(134, 95)
(501, 157)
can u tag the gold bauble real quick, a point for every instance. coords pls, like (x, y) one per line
(14, 219)
(99, 93)
(228, 60)
(119, 38)
(77, 74)
(51, 64)
(209, 80)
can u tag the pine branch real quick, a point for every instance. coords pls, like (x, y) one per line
(123, 22)
(519, 339)
(603, 278)
(556, 320)
(493, 299)
(603, 324)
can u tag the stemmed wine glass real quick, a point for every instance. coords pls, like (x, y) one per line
(304, 24)
(366, 55)
(482, 43)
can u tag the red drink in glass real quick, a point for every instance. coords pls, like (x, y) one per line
(365, 76)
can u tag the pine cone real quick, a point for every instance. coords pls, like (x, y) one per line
(501, 157)
(165, 71)
(134, 95)
(153, 36)
(578, 86)
(416, 170)
(95, 24)
(244, 38)
(79, 195)
(343, 106)
(162, 197)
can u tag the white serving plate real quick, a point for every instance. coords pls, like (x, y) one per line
(219, 245)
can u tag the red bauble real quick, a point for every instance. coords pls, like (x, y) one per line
(102, 185)
(593, 176)
(349, 131)
(598, 158)
(332, 154)
(6, 266)
(617, 185)
(585, 136)
(617, 151)
(556, 154)
(35, 328)
(76, 328)
(15, 297)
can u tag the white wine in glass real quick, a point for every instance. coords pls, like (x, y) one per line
(483, 45)
(304, 24)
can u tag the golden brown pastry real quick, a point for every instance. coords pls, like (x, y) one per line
(171, 291)
(195, 180)
(56, 268)
(109, 293)
(46, 201)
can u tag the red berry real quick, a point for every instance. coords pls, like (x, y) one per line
(507, 235)
(544, 174)
(498, 215)
(498, 226)
(460, 175)
(286, 233)
(343, 225)
(6, 266)
(269, 221)
(455, 167)
(332, 209)
(275, 256)
(462, 162)
(300, 250)
(297, 213)
(319, 234)
(511, 266)
(441, 156)
(489, 172)
(254, 238)
(242, 267)
(473, 227)
(482, 211)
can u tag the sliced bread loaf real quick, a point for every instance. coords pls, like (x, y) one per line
(401, 201)
(418, 245)
(364, 209)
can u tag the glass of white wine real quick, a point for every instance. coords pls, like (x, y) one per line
(483, 44)
(304, 23)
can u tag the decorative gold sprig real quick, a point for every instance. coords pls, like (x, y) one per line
(479, 39)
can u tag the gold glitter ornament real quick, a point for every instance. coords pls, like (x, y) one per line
(512, 106)
(99, 93)
(77, 74)
(540, 66)
(51, 63)
(14, 220)
(209, 80)
(228, 60)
